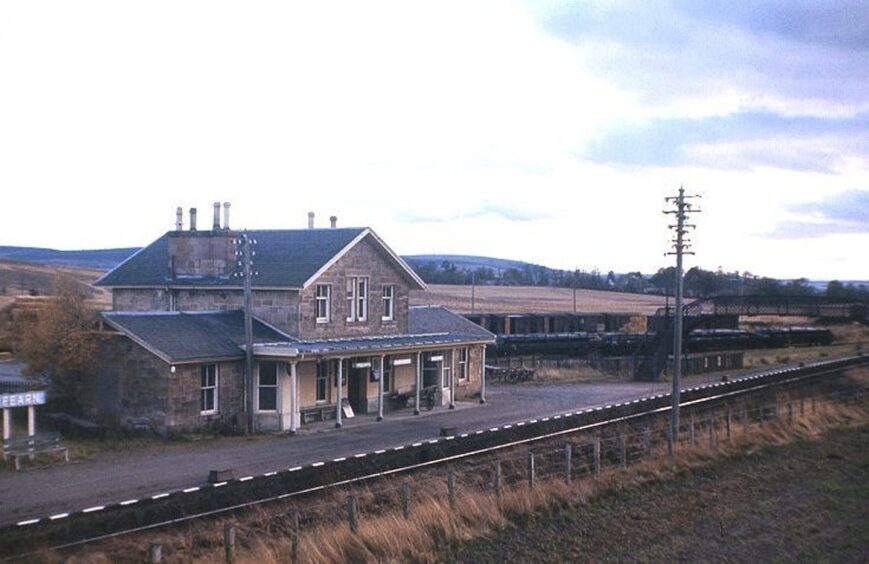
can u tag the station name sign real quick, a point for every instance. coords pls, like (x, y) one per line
(22, 399)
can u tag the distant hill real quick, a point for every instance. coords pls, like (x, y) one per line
(103, 259)
(467, 262)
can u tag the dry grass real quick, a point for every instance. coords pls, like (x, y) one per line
(433, 529)
(788, 355)
(534, 299)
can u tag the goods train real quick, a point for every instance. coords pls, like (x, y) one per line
(626, 344)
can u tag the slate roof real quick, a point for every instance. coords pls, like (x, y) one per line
(436, 319)
(181, 336)
(284, 258)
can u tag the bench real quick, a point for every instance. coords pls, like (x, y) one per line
(16, 447)
(317, 413)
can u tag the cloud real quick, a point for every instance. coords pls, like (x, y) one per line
(801, 54)
(849, 206)
(738, 141)
(845, 212)
(502, 211)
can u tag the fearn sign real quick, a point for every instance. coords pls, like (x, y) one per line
(22, 399)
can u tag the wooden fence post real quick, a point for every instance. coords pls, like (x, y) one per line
(647, 440)
(814, 403)
(596, 453)
(451, 489)
(568, 463)
(790, 413)
(352, 517)
(623, 450)
(691, 430)
(530, 470)
(496, 480)
(729, 423)
(744, 420)
(156, 553)
(711, 424)
(405, 500)
(229, 542)
(294, 536)
(669, 440)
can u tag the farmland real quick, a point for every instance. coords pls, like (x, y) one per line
(534, 299)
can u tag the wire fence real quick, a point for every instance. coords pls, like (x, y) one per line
(585, 455)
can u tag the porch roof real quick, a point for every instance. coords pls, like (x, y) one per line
(363, 345)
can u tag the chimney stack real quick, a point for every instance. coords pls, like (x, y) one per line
(179, 219)
(192, 219)
(226, 215)
(216, 225)
(333, 221)
(310, 220)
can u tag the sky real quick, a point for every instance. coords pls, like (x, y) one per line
(545, 131)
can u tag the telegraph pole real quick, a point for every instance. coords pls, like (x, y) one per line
(246, 271)
(682, 208)
(473, 291)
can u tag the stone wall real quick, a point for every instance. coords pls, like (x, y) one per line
(130, 387)
(184, 403)
(276, 307)
(279, 308)
(365, 259)
(140, 299)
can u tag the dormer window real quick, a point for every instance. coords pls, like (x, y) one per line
(388, 297)
(323, 298)
(357, 298)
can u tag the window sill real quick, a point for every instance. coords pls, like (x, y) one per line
(207, 413)
(322, 321)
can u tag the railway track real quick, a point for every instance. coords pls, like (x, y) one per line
(101, 522)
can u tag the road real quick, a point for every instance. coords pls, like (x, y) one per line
(116, 476)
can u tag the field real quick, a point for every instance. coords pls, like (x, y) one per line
(804, 502)
(534, 299)
(25, 278)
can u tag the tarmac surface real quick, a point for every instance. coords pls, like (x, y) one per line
(115, 476)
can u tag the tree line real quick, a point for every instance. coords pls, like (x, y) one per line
(698, 283)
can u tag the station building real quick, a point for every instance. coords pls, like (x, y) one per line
(332, 332)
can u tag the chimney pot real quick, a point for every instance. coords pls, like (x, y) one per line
(192, 219)
(333, 221)
(216, 225)
(226, 215)
(310, 220)
(179, 218)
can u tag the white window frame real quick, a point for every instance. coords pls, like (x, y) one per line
(351, 298)
(362, 298)
(327, 299)
(357, 298)
(388, 298)
(464, 364)
(214, 387)
(260, 385)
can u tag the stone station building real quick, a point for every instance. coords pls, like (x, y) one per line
(328, 306)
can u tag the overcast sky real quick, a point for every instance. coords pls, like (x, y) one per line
(541, 131)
